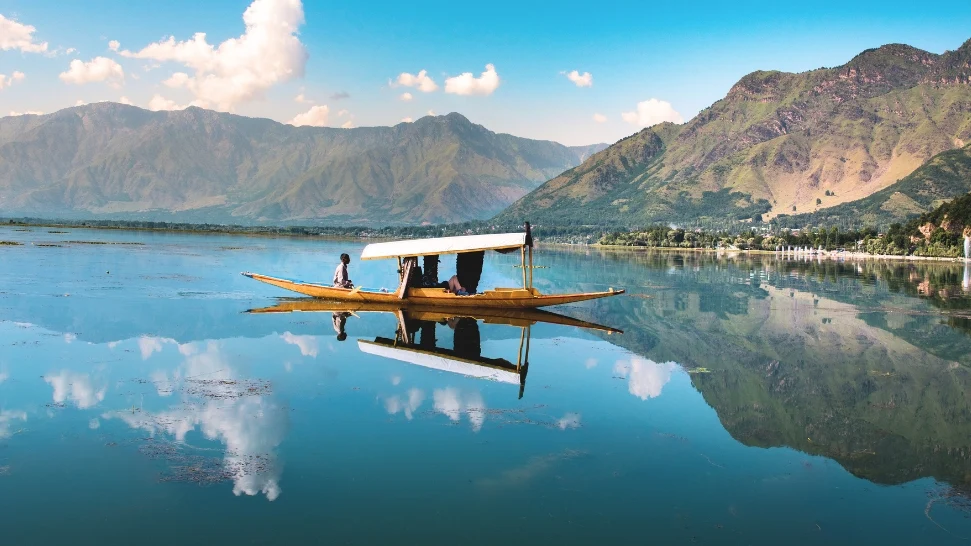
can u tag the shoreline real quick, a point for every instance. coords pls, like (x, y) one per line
(848, 256)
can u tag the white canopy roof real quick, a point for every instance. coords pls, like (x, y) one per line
(443, 245)
(438, 362)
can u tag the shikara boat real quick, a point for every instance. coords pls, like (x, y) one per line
(416, 337)
(424, 289)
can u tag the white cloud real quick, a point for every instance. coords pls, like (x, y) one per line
(6, 419)
(406, 97)
(349, 124)
(317, 116)
(158, 102)
(94, 424)
(408, 405)
(599, 118)
(14, 35)
(646, 378)
(79, 102)
(651, 112)
(396, 380)
(406, 120)
(75, 387)
(239, 69)
(431, 112)
(99, 69)
(125, 100)
(570, 420)
(302, 99)
(114, 45)
(421, 81)
(308, 344)
(581, 80)
(70, 51)
(7, 81)
(451, 402)
(590, 363)
(467, 84)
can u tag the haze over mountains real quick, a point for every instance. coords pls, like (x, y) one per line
(775, 144)
(117, 161)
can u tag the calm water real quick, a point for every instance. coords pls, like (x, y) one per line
(748, 401)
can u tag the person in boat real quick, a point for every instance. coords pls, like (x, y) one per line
(340, 275)
(455, 287)
(340, 319)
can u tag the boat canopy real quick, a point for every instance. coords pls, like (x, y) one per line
(483, 368)
(443, 245)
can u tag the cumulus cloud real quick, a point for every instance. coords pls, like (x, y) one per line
(406, 120)
(454, 404)
(581, 80)
(651, 112)
(114, 45)
(308, 344)
(239, 69)
(317, 116)
(75, 387)
(405, 404)
(467, 84)
(7, 81)
(7, 419)
(125, 100)
(646, 378)
(406, 97)
(599, 118)
(420, 81)
(158, 103)
(148, 345)
(94, 424)
(302, 99)
(18, 36)
(99, 69)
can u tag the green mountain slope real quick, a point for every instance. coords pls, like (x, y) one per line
(118, 161)
(776, 142)
(946, 176)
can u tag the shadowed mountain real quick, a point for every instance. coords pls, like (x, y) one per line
(778, 143)
(116, 161)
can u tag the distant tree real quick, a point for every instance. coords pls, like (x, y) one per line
(819, 201)
(757, 218)
(793, 208)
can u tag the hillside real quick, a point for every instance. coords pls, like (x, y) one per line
(946, 176)
(777, 143)
(115, 161)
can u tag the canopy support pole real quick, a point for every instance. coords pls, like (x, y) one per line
(530, 267)
(409, 263)
(519, 360)
(524, 268)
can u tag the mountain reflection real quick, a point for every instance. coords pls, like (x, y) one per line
(852, 361)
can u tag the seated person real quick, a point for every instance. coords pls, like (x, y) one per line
(341, 279)
(455, 287)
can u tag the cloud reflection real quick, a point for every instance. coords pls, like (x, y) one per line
(451, 402)
(75, 387)
(570, 420)
(7, 417)
(646, 378)
(409, 405)
(308, 344)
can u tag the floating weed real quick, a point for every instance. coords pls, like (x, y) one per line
(10, 243)
(954, 498)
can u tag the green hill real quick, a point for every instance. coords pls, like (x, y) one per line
(114, 161)
(778, 143)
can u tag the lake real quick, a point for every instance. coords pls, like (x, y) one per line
(749, 400)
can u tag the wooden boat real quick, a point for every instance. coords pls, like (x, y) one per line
(407, 253)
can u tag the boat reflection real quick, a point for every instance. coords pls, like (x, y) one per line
(416, 337)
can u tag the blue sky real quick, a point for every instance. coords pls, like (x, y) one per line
(683, 55)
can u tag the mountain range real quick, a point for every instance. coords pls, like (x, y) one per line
(117, 161)
(778, 143)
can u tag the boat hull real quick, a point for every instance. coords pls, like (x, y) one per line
(505, 298)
